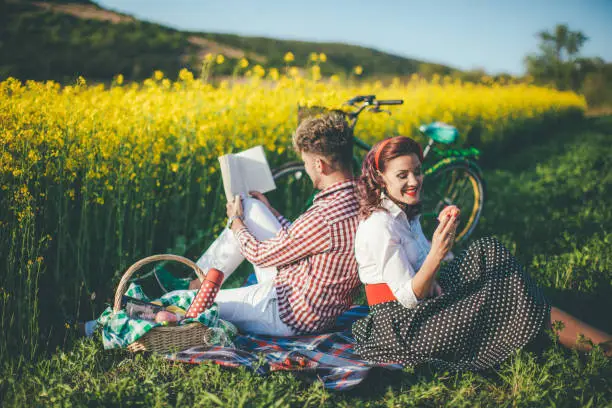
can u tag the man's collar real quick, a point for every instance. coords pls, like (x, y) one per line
(341, 185)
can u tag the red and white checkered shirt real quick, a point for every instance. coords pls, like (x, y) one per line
(315, 257)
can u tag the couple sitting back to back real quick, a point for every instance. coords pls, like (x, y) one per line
(470, 315)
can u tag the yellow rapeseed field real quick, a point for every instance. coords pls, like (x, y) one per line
(131, 134)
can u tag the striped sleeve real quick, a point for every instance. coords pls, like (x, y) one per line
(285, 223)
(307, 236)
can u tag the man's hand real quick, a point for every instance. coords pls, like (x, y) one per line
(234, 208)
(259, 196)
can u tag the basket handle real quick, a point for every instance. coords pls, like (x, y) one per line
(122, 287)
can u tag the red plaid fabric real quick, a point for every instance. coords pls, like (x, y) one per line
(317, 270)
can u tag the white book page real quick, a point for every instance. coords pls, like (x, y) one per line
(246, 171)
(232, 182)
(255, 170)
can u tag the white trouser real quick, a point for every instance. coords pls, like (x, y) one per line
(253, 308)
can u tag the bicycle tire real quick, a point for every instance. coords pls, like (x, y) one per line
(294, 190)
(457, 184)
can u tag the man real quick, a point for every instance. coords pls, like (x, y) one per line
(306, 270)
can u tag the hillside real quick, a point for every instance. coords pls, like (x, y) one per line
(63, 39)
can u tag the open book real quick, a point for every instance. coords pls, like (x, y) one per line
(246, 171)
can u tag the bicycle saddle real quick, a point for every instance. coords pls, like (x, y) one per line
(440, 132)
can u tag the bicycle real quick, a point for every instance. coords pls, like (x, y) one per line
(452, 175)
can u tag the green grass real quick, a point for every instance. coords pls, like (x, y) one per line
(549, 202)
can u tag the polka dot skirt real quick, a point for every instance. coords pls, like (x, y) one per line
(489, 308)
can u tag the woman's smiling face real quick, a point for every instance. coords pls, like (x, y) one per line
(403, 179)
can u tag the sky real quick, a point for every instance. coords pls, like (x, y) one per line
(494, 35)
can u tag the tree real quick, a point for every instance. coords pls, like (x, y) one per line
(558, 62)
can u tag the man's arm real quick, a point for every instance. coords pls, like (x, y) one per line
(308, 235)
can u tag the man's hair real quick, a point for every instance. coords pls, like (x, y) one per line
(329, 136)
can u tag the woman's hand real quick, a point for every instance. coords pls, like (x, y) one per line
(435, 289)
(449, 209)
(444, 236)
(259, 196)
(234, 208)
(424, 282)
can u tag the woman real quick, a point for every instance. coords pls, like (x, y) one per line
(481, 309)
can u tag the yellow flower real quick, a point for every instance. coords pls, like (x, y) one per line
(259, 71)
(322, 57)
(274, 74)
(119, 79)
(220, 59)
(294, 71)
(243, 63)
(185, 75)
(158, 75)
(289, 57)
(358, 70)
(314, 57)
(316, 72)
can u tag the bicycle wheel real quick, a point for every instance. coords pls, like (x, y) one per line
(294, 190)
(453, 184)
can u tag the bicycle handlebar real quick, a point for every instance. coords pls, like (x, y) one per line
(361, 98)
(369, 102)
(390, 102)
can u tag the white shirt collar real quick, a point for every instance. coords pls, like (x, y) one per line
(393, 208)
(390, 206)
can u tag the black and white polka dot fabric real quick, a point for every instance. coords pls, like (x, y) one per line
(489, 308)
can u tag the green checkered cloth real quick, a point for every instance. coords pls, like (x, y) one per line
(119, 330)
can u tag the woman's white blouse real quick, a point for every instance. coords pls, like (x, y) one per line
(390, 249)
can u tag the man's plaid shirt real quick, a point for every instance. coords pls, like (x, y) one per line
(317, 271)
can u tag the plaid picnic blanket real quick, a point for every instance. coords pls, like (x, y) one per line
(328, 357)
(119, 330)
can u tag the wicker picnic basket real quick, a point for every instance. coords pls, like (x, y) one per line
(165, 339)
